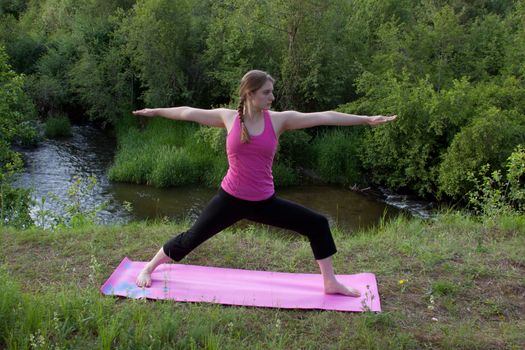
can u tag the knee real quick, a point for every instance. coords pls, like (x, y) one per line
(320, 222)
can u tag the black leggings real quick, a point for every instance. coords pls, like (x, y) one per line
(224, 210)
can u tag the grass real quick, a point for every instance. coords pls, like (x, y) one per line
(174, 153)
(451, 283)
(57, 127)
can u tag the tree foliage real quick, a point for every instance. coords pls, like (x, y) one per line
(452, 70)
(16, 115)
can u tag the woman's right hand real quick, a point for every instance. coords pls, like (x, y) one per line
(146, 112)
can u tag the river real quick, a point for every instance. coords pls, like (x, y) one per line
(53, 166)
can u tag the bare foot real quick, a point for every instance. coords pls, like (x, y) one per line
(338, 288)
(143, 279)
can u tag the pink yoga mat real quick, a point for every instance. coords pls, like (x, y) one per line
(193, 283)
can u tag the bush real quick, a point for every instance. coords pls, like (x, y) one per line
(73, 211)
(295, 148)
(489, 139)
(212, 138)
(215, 170)
(176, 167)
(17, 115)
(139, 152)
(284, 175)
(15, 206)
(494, 194)
(57, 126)
(337, 156)
(134, 161)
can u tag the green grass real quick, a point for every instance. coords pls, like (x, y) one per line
(464, 288)
(337, 156)
(169, 153)
(57, 126)
(174, 153)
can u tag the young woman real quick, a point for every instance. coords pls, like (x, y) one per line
(247, 190)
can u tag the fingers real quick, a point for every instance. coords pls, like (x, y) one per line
(381, 119)
(143, 112)
(387, 118)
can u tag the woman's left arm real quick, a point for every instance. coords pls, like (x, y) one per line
(297, 120)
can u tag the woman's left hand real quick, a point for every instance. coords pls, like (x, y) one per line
(380, 119)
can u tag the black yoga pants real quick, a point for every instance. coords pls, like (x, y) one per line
(224, 210)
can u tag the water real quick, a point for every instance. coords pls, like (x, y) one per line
(54, 165)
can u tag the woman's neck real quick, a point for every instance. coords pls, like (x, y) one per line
(253, 113)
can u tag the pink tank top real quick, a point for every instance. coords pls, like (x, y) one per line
(249, 175)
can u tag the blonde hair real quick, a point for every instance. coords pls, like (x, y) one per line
(250, 82)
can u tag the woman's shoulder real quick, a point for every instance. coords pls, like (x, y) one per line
(277, 119)
(228, 116)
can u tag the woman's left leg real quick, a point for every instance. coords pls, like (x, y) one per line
(288, 215)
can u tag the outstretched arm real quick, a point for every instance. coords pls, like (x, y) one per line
(211, 117)
(297, 120)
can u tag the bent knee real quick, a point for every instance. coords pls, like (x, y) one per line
(322, 221)
(318, 222)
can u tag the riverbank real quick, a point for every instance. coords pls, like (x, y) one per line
(452, 282)
(165, 153)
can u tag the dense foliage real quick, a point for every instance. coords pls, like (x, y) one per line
(451, 69)
(16, 127)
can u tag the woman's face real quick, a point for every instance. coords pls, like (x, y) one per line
(263, 97)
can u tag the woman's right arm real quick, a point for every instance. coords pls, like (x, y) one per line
(211, 117)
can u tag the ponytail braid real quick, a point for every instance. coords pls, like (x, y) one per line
(245, 136)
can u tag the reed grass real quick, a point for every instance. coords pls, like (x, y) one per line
(57, 126)
(169, 153)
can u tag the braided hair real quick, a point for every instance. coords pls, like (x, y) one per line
(245, 136)
(250, 82)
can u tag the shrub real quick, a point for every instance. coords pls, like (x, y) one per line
(493, 193)
(175, 167)
(17, 115)
(295, 148)
(489, 139)
(284, 175)
(336, 156)
(74, 211)
(212, 138)
(133, 164)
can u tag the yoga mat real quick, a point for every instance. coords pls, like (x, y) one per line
(191, 283)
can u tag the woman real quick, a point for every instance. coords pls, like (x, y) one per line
(247, 190)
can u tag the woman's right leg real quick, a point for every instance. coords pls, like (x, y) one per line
(286, 214)
(221, 212)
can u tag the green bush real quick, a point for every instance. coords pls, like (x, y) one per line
(73, 212)
(212, 138)
(176, 167)
(50, 87)
(493, 193)
(134, 160)
(284, 175)
(490, 138)
(142, 152)
(337, 156)
(405, 154)
(215, 170)
(14, 202)
(57, 126)
(17, 116)
(295, 148)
